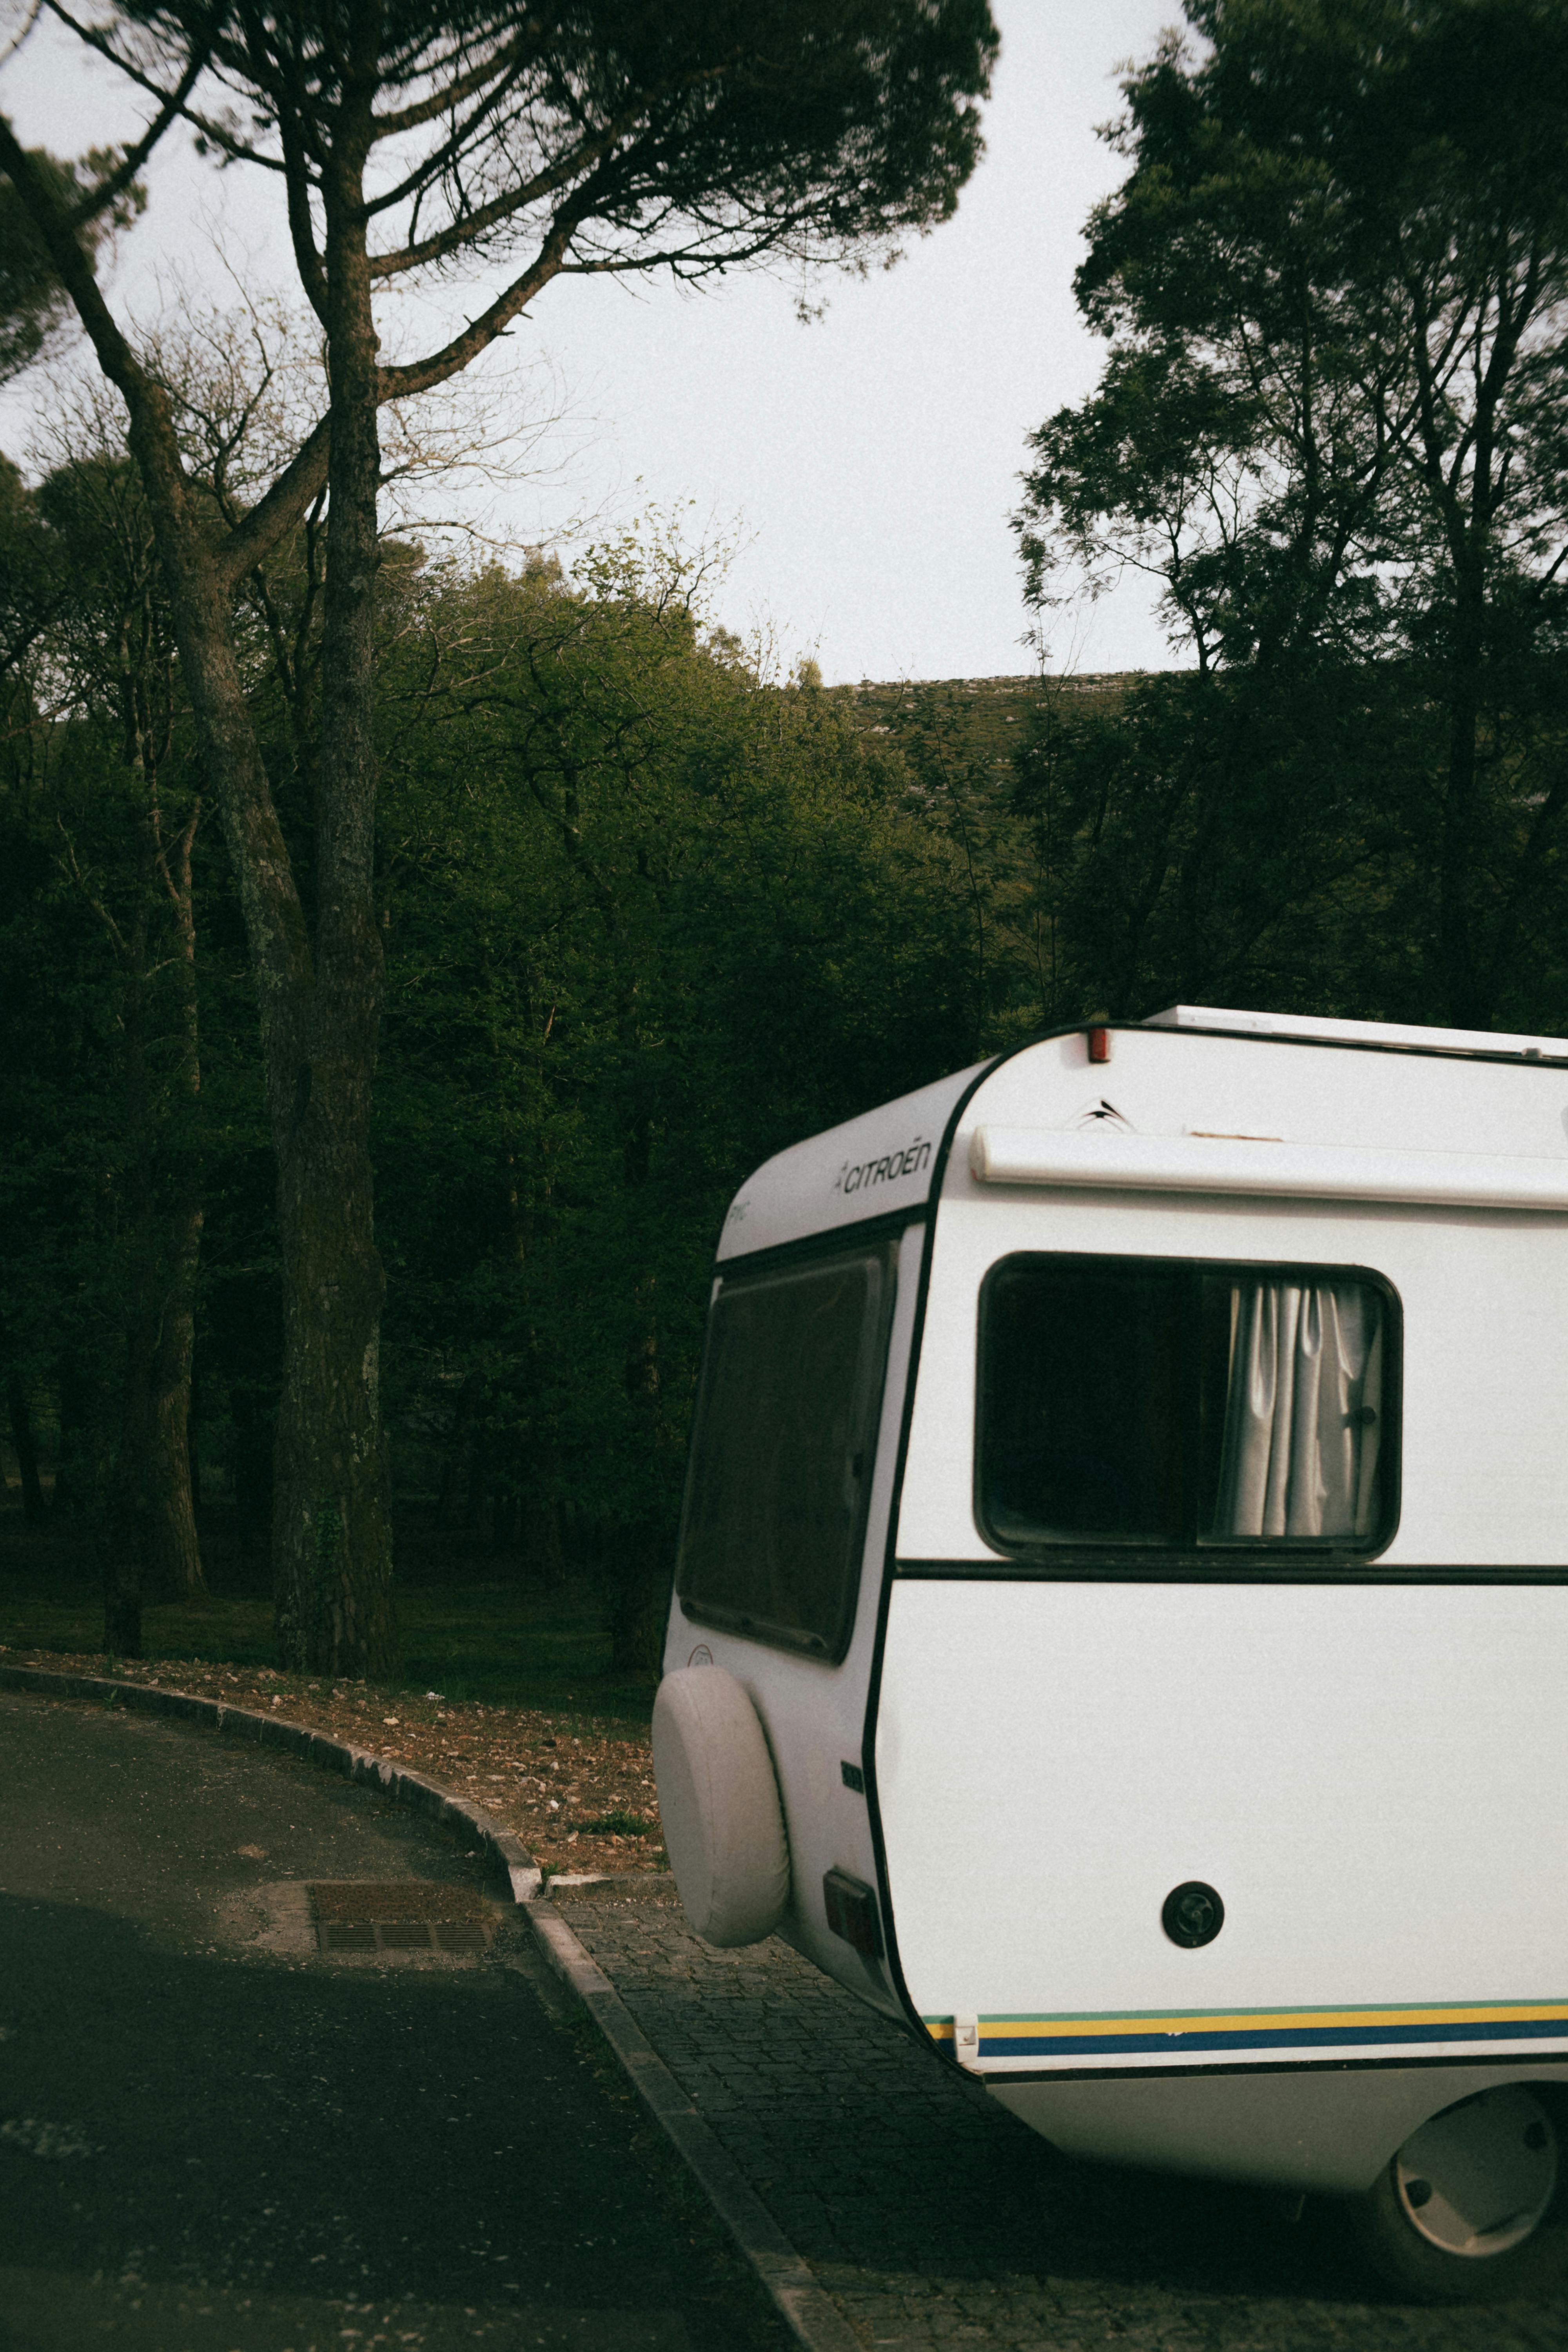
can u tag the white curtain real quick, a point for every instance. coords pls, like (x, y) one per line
(1303, 1410)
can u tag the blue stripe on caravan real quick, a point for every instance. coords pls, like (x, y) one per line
(1034, 2045)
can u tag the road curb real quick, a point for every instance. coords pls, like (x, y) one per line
(403, 1786)
(805, 2304)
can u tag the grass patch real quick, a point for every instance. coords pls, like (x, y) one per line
(617, 1824)
(498, 1640)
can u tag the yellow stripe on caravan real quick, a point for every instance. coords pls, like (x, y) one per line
(1177, 2022)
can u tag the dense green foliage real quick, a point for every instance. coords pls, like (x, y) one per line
(647, 918)
(647, 921)
(1331, 428)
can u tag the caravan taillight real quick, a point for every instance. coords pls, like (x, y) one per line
(1099, 1045)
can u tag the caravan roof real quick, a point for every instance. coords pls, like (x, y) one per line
(1386, 1033)
(1215, 1119)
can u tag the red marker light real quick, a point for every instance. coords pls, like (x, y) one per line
(1099, 1045)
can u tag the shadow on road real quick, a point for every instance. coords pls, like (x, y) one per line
(204, 2150)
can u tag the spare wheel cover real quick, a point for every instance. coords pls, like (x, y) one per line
(719, 1802)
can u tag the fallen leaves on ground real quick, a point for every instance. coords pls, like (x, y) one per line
(570, 1785)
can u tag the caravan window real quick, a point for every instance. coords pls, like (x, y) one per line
(1152, 1401)
(782, 1450)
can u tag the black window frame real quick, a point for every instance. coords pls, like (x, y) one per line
(818, 1256)
(1205, 1552)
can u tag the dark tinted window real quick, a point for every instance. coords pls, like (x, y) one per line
(783, 1449)
(1157, 1400)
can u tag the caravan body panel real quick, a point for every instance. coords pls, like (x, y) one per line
(1376, 1779)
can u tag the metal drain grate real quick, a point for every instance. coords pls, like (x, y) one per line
(405, 1915)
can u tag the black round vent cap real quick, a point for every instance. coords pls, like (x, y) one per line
(1192, 1914)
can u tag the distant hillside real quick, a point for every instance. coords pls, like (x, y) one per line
(990, 712)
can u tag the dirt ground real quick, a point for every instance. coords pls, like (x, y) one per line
(579, 1793)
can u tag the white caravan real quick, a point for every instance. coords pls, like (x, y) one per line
(1121, 1614)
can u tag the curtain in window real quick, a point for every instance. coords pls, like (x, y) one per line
(1304, 1408)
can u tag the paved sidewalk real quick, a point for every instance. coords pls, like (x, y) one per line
(934, 2219)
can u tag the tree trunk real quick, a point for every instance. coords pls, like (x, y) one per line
(21, 1416)
(642, 1600)
(254, 1424)
(192, 1440)
(81, 1460)
(1467, 1003)
(455, 1453)
(332, 1506)
(646, 1565)
(320, 1002)
(173, 1560)
(539, 1526)
(153, 1551)
(125, 1544)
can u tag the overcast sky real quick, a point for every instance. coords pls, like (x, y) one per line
(868, 462)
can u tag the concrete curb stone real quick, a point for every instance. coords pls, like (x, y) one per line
(405, 1786)
(810, 2313)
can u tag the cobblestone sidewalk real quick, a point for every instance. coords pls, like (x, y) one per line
(934, 2219)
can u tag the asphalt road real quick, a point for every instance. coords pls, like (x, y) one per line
(213, 2139)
